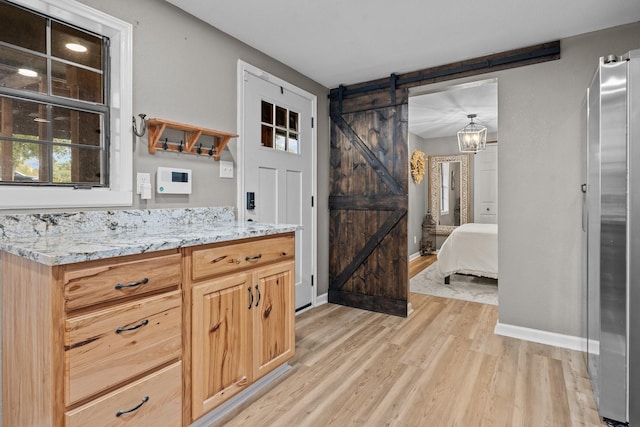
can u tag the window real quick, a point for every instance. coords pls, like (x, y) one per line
(65, 103)
(280, 129)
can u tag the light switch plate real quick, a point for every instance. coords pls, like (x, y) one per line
(226, 169)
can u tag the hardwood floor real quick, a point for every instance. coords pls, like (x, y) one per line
(420, 263)
(442, 366)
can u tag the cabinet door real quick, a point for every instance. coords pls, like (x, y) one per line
(221, 352)
(273, 321)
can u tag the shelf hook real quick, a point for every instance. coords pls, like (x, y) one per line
(212, 150)
(180, 147)
(143, 124)
(165, 144)
(199, 150)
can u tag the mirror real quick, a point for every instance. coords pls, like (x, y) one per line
(449, 191)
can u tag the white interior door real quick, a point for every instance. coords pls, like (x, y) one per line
(485, 185)
(278, 165)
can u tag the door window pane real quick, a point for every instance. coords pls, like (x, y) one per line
(267, 136)
(293, 121)
(267, 112)
(292, 143)
(281, 140)
(281, 117)
(280, 128)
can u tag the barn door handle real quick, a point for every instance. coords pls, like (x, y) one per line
(135, 408)
(253, 258)
(259, 295)
(251, 294)
(132, 328)
(132, 285)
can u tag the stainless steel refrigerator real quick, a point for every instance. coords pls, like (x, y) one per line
(611, 222)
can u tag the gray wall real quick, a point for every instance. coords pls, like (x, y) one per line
(417, 197)
(540, 110)
(419, 193)
(185, 70)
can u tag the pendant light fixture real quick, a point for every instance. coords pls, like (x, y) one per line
(473, 137)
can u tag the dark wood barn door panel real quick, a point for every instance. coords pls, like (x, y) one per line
(368, 266)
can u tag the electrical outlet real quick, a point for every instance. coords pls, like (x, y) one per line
(142, 178)
(226, 169)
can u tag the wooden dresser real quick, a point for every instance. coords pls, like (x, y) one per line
(156, 339)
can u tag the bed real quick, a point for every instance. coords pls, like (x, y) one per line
(470, 249)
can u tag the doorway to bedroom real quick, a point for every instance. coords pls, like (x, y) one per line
(453, 205)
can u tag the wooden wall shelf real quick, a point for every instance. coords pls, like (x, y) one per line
(191, 135)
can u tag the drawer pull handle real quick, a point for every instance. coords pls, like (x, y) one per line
(132, 328)
(259, 295)
(132, 285)
(135, 408)
(253, 258)
(251, 294)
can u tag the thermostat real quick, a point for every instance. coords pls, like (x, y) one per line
(173, 181)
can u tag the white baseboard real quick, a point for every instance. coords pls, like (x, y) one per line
(543, 337)
(322, 299)
(414, 256)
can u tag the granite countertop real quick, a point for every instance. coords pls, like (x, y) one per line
(56, 239)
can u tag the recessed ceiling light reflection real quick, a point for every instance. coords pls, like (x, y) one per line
(27, 72)
(76, 47)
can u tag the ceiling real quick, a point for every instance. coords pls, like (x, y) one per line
(344, 42)
(444, 113)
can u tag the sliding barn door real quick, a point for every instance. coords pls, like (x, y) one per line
(369, 179)
(368, 209)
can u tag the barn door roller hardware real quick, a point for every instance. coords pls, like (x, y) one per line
(525, 56)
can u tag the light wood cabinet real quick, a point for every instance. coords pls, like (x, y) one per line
(154, 400)
(146, 340)
(242, 321)
(221, 330)
(82, 342)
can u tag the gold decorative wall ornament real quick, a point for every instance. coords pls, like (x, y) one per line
(417, 166)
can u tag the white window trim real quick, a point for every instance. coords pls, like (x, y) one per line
(120, 191)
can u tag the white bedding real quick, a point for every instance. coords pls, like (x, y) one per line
(471, 249)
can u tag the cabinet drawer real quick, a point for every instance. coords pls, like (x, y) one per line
(158, 398)
(107, 347)
(105, 282)
(237, 256)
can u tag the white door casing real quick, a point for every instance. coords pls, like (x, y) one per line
(485, 185)
(284, 183)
